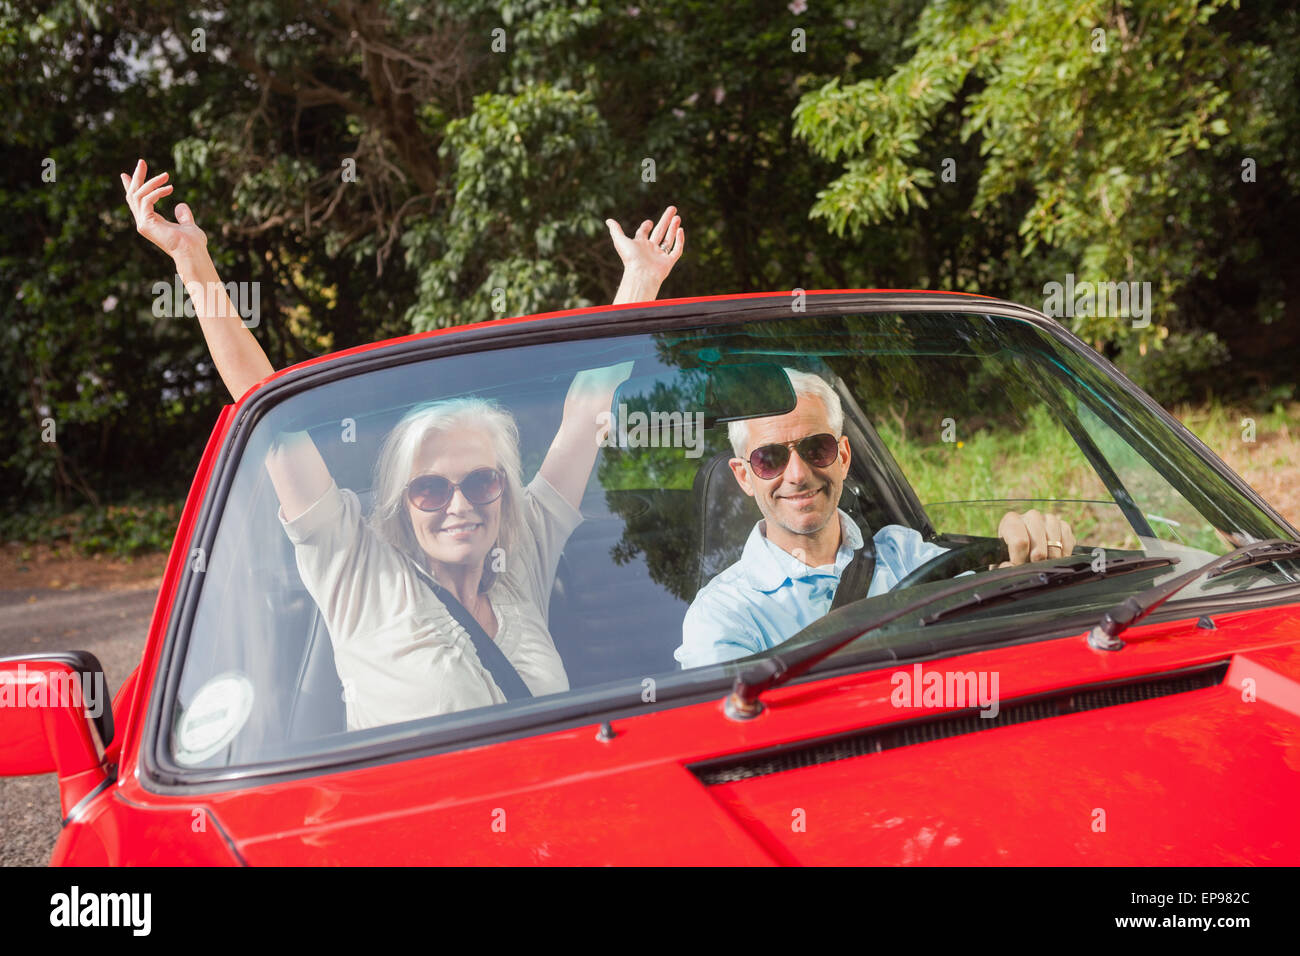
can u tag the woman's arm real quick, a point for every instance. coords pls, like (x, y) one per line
(648, 256)
(297, 470)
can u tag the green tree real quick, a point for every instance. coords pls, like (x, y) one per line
(1111, 135)
(383, 165)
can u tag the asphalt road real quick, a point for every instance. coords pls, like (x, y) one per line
(112, 625)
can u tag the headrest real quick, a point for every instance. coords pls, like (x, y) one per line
(726, 516)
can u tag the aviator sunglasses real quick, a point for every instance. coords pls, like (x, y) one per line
(768, 461)
(482, 486)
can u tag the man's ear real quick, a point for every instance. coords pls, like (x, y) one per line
(741, 471)
(846, 453)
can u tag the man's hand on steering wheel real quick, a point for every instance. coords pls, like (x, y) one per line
(1034, 536)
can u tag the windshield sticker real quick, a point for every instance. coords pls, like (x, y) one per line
(216, 714)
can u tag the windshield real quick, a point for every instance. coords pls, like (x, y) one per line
(322, 629)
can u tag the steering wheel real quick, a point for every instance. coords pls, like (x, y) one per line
(976, 555)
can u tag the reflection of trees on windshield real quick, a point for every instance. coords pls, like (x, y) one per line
(660, 525)
(899, 364)
(1010, 396)
(664, 523)
(912, 370)
(661, 521)
(661, 459)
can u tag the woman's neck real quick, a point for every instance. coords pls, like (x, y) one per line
(460, 579)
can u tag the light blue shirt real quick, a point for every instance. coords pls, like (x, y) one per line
(769, 595)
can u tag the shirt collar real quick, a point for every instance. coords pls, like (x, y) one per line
(767, 567)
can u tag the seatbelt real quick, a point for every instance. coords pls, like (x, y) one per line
(489, 655)
(855, 580)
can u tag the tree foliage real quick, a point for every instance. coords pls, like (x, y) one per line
(1114, 135)
(379, 166)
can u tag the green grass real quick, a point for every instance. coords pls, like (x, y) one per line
(1037, 460)
(1222, 427)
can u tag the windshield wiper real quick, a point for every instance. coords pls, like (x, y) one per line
(1105, 635)
(1049, 579)
(743, 702)
(1261, 552)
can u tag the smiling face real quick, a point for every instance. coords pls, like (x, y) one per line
(461, 534)
(802, 499)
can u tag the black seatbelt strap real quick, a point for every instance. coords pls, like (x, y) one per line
(855, 580)
(489, 655)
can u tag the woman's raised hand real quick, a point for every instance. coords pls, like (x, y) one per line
(178, 239)
(235, 352)
(653, 249)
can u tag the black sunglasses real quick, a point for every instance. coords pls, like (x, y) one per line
(482, 486)
(768, 461)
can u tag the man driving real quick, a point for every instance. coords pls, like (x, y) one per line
(794, 466)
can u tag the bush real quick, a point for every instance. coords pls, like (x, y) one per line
(121, 531)
(1185, 367)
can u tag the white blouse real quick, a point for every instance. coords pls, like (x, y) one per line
(399, 652)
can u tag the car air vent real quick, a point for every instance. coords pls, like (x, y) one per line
(859, 743)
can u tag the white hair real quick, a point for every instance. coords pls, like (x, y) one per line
(805, 384)
(390, 517)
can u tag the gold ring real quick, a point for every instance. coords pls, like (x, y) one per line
(1056, 544)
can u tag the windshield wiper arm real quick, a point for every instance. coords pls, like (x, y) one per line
(1049, 579)
(1261, 552)
(743, 701)
(1104, 636)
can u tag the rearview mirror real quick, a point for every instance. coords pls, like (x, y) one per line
(718, 394)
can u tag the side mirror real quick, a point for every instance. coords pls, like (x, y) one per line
(55, 716)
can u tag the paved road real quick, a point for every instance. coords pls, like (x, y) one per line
(112, 625)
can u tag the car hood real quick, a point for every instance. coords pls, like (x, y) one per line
(1198, 776)
(1182, 749)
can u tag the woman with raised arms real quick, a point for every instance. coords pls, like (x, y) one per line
(448, 497)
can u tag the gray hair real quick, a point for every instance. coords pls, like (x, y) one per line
(390, 518)
(805, 384)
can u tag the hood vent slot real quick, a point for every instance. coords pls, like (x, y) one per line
(954, 724)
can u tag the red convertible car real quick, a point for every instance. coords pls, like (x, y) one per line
(1135, 701)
